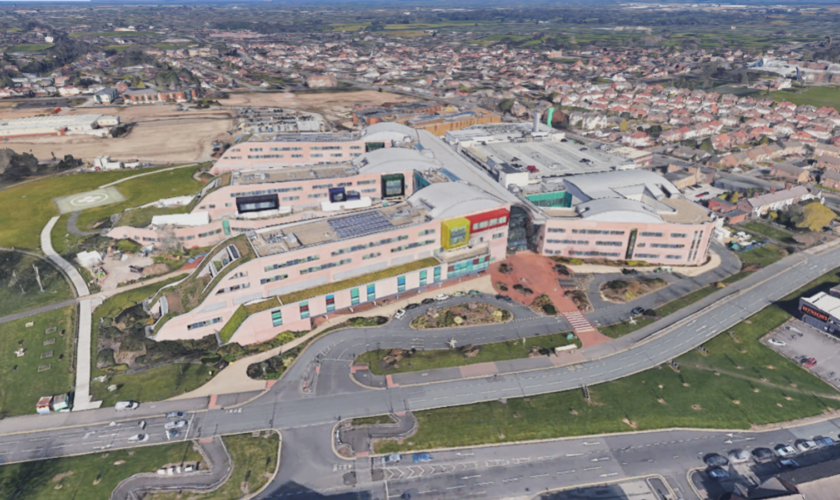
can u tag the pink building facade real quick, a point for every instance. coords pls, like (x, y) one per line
(260, 155)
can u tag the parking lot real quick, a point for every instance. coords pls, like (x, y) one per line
(802, 341)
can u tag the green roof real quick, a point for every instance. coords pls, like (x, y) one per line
(363, 279)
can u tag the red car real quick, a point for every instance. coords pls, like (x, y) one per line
(809, 362)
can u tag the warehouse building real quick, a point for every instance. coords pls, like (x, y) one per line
(822, 310)
(57, 125)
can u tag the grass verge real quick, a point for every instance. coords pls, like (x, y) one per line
(769, 231)
(740, 383)
(88, 477)
(762, 256)
(22, 383)
(155, 384)
(446, 358)
(621, 329)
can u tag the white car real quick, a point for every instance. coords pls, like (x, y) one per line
(806, 445)
(784, 450)
(777, 343)
(400, 314)
(442, 297)
(126, 405)
(739, 456)
(178, 424)
(139, 438)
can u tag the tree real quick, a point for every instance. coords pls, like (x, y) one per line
(623, 126)
(814, 216)
(734, 197)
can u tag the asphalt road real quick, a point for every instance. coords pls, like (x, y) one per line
(288, 408)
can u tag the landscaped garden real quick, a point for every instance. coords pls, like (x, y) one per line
(470, 314)
(626, 290)
(21, 290)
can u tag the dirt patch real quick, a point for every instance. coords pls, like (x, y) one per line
(630, 423)
(155, 270)
(60, 477)
(626, 290)
(471, 314)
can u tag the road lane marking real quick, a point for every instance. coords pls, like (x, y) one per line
(592, 468)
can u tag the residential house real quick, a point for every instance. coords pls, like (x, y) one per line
(830, 179)
(790, 173)
(778, 200)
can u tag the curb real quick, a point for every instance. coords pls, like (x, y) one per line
(614, 481)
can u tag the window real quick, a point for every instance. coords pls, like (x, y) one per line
(423, 275)
(647, 256)
(362, 183)
(276, 318)
(371, 292)
(272, 279)
(293, 262)
(369, 190)
(204, 323)
(426, 231)
(666, 245)
(401, 284)
(498, 235)
(304, 310)
(673, 257)
(233, 288)
(325, 266)
(652, 235)
(316, 155)
(371, 255)
(679, 235)
(412, 245)
(330, 303)
(437, 274)
(354, 296)
(556, 230)
(609, 243)
(240, 274)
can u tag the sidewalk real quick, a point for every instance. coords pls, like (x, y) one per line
(234, 378)
(689, 271)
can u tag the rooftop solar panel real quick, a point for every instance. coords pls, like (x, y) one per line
(357, 225)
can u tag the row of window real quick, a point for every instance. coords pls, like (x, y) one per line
(233, 288)
(569, 242)
(356, 248)
(325, 266)
(666, 245)
(647, 256)
(412, 245)
(597, 231)
(489, 223)
(651, 235)
(292, 262)
(272, 279)
(204, 323)
(265, 191)
(209, 233)
(425, 232)
(594, 254)
(610, 243)
(370, 181)
(315, 196)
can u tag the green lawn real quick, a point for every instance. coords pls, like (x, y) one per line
(23, 293)
(146, 189)
(88, 477)
(815, 96)
(445, 358)
(254, 461)
(29, 206)
(762, 256)
(739, 383)
(621, 329)
(685, 301)
(142, 217)
(29, 47)
(377, 420)
(155, 384)
(22, 384)
(768, 231)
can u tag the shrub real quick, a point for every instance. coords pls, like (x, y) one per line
(549, 309)
(105, 358)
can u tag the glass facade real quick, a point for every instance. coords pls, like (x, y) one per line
(354, 296)
(304, 310)
(371, 292)
(437, 274)
(276, 318)
(423, 275)
(330, 303)
(468, 266)
(401, 284)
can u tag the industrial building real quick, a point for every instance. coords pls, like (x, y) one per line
(57, 125)
(822, 310)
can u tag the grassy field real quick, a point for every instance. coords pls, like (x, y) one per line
(740, 383)
(762, 256)
(88, 477)
(155, 384)
(768, 231)
(685, 300)
(815, 96)
(142, 217)
(12, 297)
(254, 461)
(29, 47)
(29, 206)
(115, 33)
(445, 358)
(621, 329)
(22, 384)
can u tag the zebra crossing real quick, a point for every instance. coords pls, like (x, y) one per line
(578, 321)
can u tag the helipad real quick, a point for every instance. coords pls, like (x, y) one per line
(90, 199)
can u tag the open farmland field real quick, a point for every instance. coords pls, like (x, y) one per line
(816, 96)
(157, 136)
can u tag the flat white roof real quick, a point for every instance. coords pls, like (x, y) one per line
(825, 302)
(57, 121)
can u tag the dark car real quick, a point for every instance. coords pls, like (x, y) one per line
(475, 293)
(637, 311)
(427, 301)
(503, 297)
(715, 460)
(718, 473)
(763, 455)
(409, 307)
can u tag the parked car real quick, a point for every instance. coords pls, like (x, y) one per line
(804, 445)
(178, 424)
(459, 293)
(715, 460)
(409, 307)
(126, 405)
(788, 463)
(474, 293)
(784, 450)
(399, 314)
(171, 434)
(393, 458)
(176, 414)
(777, 343)
(637, 311)
(138, 438)
(809, 362)
(428, 301)
(823, 441)
(763, 455)
(718, 473)
(422, 457)
(739, 456)
(442, 297)
(503, 297)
